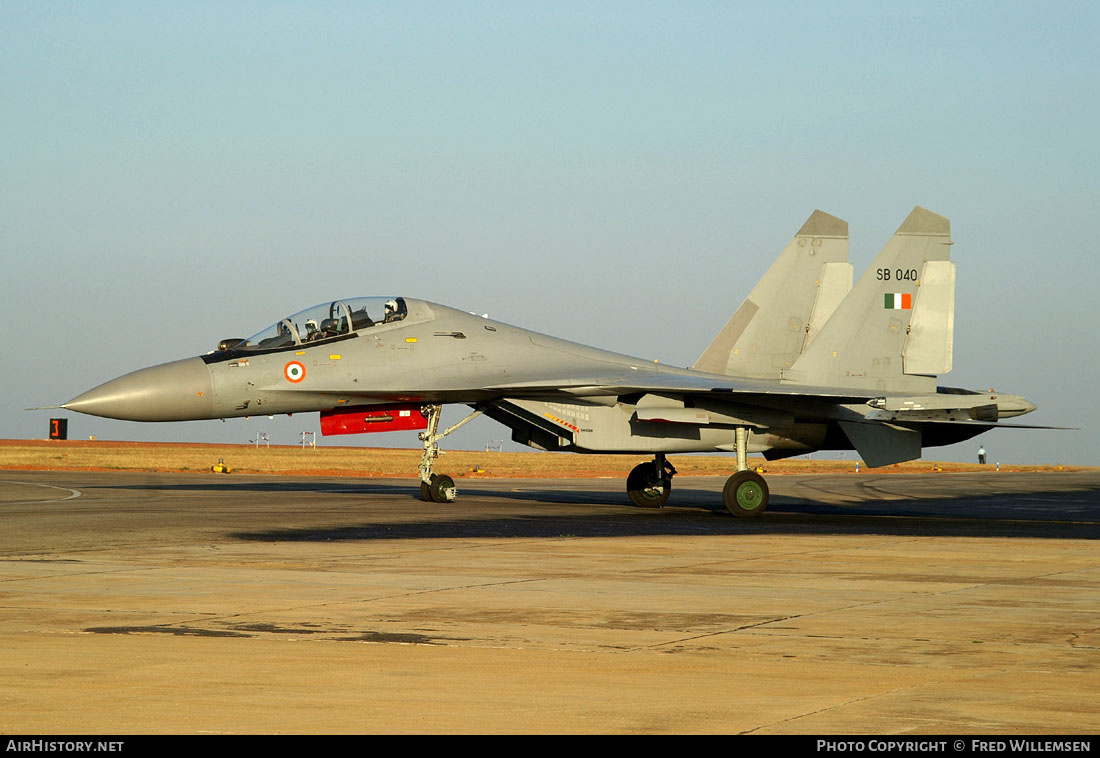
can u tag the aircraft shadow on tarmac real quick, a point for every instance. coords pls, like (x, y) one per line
(699, 512)
(1057, 514)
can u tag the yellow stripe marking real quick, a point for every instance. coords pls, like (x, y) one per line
(566, 424)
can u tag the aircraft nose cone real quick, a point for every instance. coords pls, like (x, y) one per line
(176, 391)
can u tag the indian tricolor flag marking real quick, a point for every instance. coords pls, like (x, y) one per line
(899, 301)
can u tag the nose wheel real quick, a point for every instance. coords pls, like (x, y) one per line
(437, 488)
(440, 488)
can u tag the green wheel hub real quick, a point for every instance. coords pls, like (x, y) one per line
(750, 495)
(745, 494)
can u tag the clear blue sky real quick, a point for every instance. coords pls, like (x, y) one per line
(616, 173)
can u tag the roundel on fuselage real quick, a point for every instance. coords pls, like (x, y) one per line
(294, 372)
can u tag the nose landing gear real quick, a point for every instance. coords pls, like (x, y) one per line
(437, 488)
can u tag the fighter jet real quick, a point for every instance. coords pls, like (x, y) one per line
(807, 362)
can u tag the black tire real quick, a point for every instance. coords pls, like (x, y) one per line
(745, 494)
(426, 491)
(442, 489)
(645, 487)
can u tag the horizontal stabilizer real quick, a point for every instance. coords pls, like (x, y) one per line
(882, 444)
(999, 425)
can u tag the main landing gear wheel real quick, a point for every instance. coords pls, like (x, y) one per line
(745, 494)
(441, 489)
(647, 487)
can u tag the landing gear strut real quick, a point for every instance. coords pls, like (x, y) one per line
(746, 493)
(437, 488)
(649, 485)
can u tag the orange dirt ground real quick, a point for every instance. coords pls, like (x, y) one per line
(107, 455)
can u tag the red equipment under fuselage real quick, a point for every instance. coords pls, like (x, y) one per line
(373, 418)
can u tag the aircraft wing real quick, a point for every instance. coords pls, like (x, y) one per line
(680, 384)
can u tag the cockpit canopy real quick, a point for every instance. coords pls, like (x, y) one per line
(324, 322)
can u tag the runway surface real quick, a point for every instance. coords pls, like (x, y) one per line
(876, 603)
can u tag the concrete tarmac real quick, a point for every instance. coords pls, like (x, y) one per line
(869, 604)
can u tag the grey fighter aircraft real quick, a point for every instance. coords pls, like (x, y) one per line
(808, 362)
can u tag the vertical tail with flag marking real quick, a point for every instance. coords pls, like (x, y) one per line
(894, 330)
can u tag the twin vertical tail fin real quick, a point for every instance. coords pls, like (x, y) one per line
(789, 306)
(894, 331)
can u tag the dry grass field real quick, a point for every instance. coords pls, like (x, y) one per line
(100, 455)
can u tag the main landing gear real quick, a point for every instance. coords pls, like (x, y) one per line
(746, 493)
(437, 488)
(649, 485)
